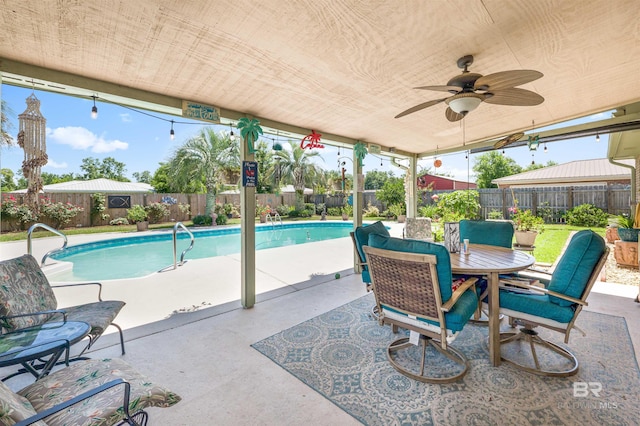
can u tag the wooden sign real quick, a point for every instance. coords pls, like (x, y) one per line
(199, 111)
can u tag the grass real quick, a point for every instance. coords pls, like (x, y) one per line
(548, 244)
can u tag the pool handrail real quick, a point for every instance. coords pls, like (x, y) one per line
(274, 219)
(50, 229)
(175, 244)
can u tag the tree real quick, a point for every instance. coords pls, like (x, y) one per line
(7, 182)
(51, 178)
(493, 165)
(5, 124)
(297, 169)
(537, 166)
(109, 168)
(392, 192)
(204, 159)
(376, 179)
(266, 168)
(144, 177)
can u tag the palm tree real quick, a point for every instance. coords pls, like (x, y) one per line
(204, 158)
(297, 169)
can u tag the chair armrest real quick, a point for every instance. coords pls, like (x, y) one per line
(4, 318)
(85, 395)
(459, 292)
(81, 284)
(549, 292)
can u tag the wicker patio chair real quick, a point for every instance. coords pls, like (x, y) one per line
(555, 307)
(27, 299)
(412, 287)
(92, 392)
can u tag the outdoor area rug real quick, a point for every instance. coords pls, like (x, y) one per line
(342, 355)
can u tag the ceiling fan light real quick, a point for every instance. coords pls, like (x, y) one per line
(464, 103)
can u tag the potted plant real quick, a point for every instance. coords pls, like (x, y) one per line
(347, 211)
(262, 210)
(138, 215)
(527, 226)
(399, 211)
(626, 231)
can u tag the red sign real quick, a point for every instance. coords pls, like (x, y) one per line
(311, 141)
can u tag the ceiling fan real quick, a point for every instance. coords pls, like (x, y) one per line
(469, 89)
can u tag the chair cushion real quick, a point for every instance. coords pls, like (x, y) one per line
(99, 315)
(423, 247)
(104, 408)
(493, 233)
(538, 305)
(576, 266)
(14, 408)
(23, 289)
(362, 233)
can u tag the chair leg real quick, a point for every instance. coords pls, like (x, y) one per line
(92, 340)
(531, 337)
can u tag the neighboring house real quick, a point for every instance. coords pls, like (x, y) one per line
(103, 186)
(441, 183)
(582, 172)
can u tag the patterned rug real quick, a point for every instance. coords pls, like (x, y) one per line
(342, 355)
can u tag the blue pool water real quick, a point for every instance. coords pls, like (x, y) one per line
(138, 256)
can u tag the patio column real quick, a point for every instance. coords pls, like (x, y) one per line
(358, 188)
(247, 235)
(412, 203)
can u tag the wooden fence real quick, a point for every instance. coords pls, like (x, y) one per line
(549, 202)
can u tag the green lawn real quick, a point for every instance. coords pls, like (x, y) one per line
(550, 242)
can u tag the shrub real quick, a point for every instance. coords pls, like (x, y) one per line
(320, 207)
(98, 206)
(428, 211)
(587, 215)
(157, 212)
(202, 220)
(310, 207)
(137, 213)
(300, 213)
(11, 211)
(283, 210)
(119, 221)
(398, 209)
(184, 208)
(371, 211)
(495, 214)
(334, 211)
(221, 219)
(59, 213)
(463, 204)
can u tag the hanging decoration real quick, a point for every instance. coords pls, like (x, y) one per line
(436, 161)
(31, 138)
(250, 130)
(533, 141)
(311, 141)
(360, 151)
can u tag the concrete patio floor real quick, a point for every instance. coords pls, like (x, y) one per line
(186, 330)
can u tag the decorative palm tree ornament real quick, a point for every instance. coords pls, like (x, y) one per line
(311, 141)
(250, 130)
(31, 138)
(533, 141)
(360, 151)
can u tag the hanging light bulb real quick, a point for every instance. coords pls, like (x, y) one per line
(338, 151)
(597, 137)
(533, 161)
(380, 161)
(503, 153)
(94, 109)
(232, 137)
(172, 134)
(545, 148)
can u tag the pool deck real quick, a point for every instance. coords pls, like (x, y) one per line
(186, 329)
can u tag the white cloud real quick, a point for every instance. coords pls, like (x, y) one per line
(52, 164)
(126, 118)
(83, 139)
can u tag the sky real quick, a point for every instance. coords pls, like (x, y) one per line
(141, 141)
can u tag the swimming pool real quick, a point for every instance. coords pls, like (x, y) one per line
(138, 256)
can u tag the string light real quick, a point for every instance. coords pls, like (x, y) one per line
(545, 148)
(597, 137)
(172, 134)
(503, 153)
(232, 137)
(94, 110)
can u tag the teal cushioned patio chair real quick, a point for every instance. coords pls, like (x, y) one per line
(412, 285)
(556, 307)
(360, 239)
(27, 299)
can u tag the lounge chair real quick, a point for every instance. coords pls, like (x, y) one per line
(95, 392)
(27, 299)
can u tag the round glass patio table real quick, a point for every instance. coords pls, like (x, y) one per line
(51, 340)
(491, 261)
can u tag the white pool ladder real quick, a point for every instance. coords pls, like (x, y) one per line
(50, 229)
(275, 219)
(175, 244)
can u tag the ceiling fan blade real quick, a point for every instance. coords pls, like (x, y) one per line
(508, 140)
(515, 97)
(419, 107)
(452, 115)
(506, 79)
(450, 89)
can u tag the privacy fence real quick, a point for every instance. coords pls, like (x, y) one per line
(549, 202)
